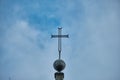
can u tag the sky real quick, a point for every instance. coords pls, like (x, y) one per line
(92, 51)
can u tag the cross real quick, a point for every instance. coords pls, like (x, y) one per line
(59, 36)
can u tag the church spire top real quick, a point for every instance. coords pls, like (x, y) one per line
(59, 64)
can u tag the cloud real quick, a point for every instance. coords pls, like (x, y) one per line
(25, 53)
(96, 42)
(91, 52)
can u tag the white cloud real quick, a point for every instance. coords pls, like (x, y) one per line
(91, 52)
(95, 41)
(24, 57)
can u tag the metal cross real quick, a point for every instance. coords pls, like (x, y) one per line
(59, 36)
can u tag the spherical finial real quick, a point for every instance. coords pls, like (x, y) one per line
(59, 65)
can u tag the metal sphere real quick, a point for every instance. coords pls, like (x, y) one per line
(59, 65)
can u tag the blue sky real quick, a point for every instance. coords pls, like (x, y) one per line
(92, 52)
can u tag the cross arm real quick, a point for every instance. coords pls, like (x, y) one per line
(59, 36)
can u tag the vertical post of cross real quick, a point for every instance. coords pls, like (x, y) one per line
(59, 42)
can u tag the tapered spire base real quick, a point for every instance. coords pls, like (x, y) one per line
(59, 76)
